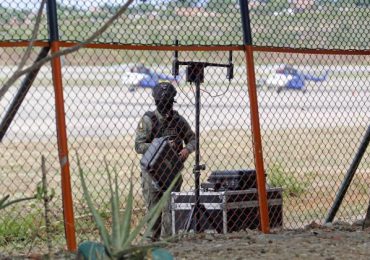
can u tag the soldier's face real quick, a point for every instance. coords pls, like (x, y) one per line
(165, 107)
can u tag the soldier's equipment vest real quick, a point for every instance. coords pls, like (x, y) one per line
(173, 129)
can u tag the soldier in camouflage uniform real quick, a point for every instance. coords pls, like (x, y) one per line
(164, 121)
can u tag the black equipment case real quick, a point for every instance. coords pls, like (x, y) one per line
(161, 161)
(231, 180)
(227, 211)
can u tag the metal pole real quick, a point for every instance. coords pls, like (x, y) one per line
(246, 23)
(69, 224)
(21, 94)
(197, 156)
(349, 176)
(257, 143)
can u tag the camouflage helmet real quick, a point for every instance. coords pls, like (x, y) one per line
(164, 91)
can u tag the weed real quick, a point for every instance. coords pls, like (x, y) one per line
(13, 229)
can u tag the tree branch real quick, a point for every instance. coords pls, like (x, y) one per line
(33, 37)
(74, 48)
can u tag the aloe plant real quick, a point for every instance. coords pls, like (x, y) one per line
(118, 244)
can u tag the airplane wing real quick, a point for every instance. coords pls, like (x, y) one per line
(317, 78)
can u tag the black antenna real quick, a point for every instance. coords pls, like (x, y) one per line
(230, 68)
(175, 62)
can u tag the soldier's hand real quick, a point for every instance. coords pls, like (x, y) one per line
(172, 143)
(184, 154)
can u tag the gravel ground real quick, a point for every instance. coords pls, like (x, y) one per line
(328, 242)
(334, 241)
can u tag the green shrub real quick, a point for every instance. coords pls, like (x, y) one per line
(278, 177)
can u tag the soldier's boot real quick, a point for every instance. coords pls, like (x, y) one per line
(156, 230)
(366, 223)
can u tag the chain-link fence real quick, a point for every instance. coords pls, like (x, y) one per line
(313, 111)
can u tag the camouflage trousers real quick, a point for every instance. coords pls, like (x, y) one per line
(152, 194)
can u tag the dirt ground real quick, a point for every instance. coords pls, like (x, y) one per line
(332, 241)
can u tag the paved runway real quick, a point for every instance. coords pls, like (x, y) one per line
(92, 111)
(112, 111)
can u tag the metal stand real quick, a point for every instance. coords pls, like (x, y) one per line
(195, 74)
(18, 99)
(349, 176)
(197, 209)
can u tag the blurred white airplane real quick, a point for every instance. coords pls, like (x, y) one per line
(143, 77)
(287, 77)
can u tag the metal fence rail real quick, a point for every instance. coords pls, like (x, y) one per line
(311, 69)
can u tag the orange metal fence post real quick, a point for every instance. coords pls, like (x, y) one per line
(69, 224)
(257, 143)
(63, 151)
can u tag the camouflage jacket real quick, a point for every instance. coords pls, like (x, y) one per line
(177, 127)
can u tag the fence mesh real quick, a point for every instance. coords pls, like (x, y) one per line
(313, 111)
